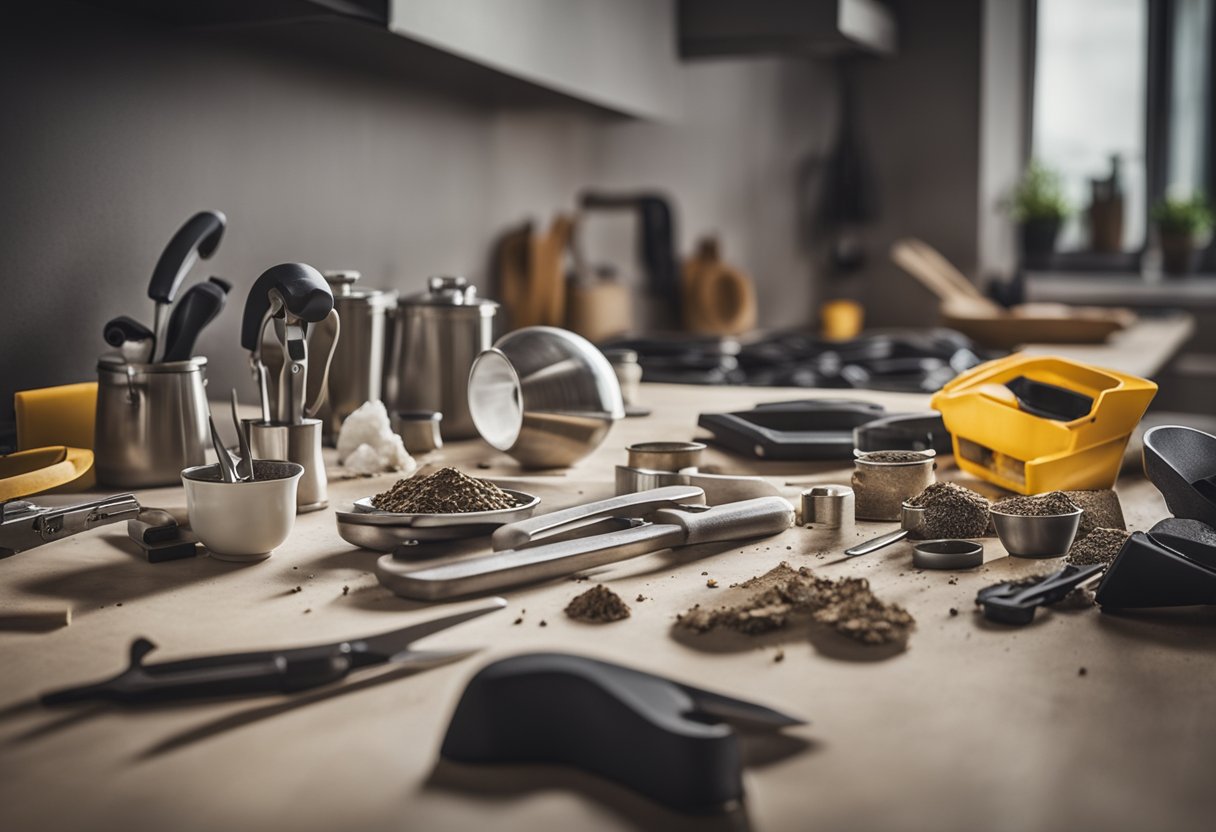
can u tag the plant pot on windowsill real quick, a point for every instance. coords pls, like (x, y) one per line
(1039, 240)
(1180, 251)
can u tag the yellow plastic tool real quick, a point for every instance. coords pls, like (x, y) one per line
(60, 416)
(26, 473)
(1034, 424)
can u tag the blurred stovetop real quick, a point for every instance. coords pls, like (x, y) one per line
(903, 360)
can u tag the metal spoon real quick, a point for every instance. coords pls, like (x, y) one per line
(227, 469)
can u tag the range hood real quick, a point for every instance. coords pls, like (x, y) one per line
(817, 28)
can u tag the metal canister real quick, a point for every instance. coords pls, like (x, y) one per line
(435, 336)
(151, 421)
(357, 369)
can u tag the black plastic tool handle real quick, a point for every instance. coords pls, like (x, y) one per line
(198, 307)
(304, 291)
(124, 328)
(199, 236)
(281, 671)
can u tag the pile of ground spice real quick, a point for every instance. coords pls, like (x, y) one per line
(847, 605)
(447, 491)
(1099, 546)
(1100, 510)
(1037, 505)
(598, 605)
(894, 456)
(951, 511)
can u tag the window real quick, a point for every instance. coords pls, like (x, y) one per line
(1121, 108)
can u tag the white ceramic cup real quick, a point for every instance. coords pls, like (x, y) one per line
(242, 521)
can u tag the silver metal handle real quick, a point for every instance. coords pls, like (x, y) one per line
(718, 488)
(758, 517)
(523, 532)
(877, 543)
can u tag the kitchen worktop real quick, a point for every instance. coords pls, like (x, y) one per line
(1079, 721)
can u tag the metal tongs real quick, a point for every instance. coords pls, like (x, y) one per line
(26, 525)
(584, 537)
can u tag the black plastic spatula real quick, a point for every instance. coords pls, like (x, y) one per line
(198, 306)
(199, 237)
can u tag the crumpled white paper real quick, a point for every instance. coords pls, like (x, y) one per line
(367, 444)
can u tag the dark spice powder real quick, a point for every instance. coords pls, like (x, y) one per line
(1037, 505)
(894, 456)
(1099, 546)
(951, 511)
(846, 605)
(447, 491)
(1100, 510)
(598, 605)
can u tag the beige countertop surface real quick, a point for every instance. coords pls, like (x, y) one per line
(973, 726)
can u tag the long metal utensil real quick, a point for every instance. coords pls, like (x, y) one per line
(227, 469)
(245, 470)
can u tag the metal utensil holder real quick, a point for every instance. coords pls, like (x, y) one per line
(151, 421)
(294, 443)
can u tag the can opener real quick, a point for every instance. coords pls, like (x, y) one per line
(25, 525)
(587, 536)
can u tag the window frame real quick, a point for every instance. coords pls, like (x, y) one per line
(1161, 15)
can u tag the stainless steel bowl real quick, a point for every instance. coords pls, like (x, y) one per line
(545, 396)
(1046, 536)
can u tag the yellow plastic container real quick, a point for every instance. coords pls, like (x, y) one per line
(997, 439)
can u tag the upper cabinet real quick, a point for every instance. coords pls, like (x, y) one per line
(817, 28)
(616, 54)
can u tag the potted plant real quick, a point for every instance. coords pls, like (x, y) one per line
(1039, 208)
(1184, 226)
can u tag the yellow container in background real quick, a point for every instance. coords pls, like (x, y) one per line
(997, 439)
(841, 320)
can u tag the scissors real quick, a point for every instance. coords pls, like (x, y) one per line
(270, 671)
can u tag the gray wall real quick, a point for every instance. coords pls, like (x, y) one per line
(117, 129)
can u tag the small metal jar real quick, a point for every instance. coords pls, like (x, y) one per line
(435, 336)
(880, 487)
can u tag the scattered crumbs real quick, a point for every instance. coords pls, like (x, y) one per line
(1082, 671)
(779, 656)
(544, 623)
(789, 548)
(294, 590)
(704, 573)
(518, 621)
(484, 466)
(119, 604)
(345, 590)
(953, 582)
(295, 567)
(311, 576)
(640, 598)
(711, 583)
(953, 611)
(307, 611)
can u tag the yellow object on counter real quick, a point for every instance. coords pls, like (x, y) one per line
(841, 319)
(59, 416)
(26, 473)
(1034, 424)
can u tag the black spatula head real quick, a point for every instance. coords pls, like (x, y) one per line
(671, 742)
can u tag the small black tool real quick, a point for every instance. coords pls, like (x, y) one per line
(270, 671)
(1014, 602)
(124, 328)
(806, 429)
(671, 742)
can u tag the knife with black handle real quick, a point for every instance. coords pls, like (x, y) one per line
(197, 307)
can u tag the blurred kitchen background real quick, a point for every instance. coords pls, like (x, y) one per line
(1058, 150)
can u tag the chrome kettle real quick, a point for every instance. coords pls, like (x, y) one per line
(435, 335)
